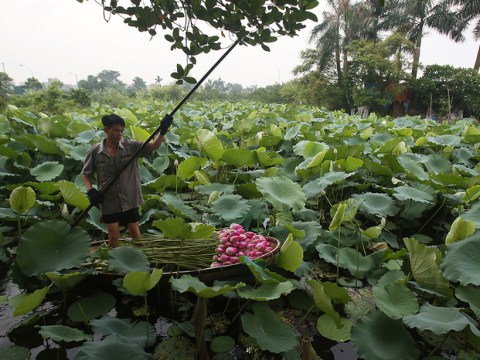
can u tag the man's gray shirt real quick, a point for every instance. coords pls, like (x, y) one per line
(125, 192)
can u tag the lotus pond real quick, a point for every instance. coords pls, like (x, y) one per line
(377, 220)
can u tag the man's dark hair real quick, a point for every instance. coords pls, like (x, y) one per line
(112, 119)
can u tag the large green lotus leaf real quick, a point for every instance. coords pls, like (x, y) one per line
(128, 331)
(44, 187)
(327, 328)
(292, 132)
(260, 272)
(351, 259)
(281, 192)
(240, 157)
(47, 171)
(22, 199)
(62, 333)
(445, 140)
(79, 152)
(85, 137)
(395, 300)
(377, 168)
(412, 167)
(139, 134)
(438, 164)
(268, 158)
(41, 143)
(112, 348)
(91, 307)
(308, 149)
(193, 284)
(323, 301)
(174, 228)
(459, 230)
(291, 254)
(377, 204)
(186, 169)
(267, 291)
(471, 194)
(25, 303)
(231, 207)
(72, 194)
(378, 337)
(423, 263)
(14, 352)
(52, 246)
(138, 283)
(178, 206)
(94, 219)
(470, 295)
(313, 188)
(420, 193)
(209, 144)
(439, 320)
(125, 259)
(473, 214)
(338, 294)
(460, 263)
(449, 180)
(202, 178)
(268, 330)
(66, 281)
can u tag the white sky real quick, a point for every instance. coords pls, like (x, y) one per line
(69, 40)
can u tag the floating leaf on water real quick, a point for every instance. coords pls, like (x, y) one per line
(395, 300)
(222, 344)
(15, 352)
(127, 330)
(326, 327)
(125, 259)
(91, 307)
(62, 333)
(111, 348)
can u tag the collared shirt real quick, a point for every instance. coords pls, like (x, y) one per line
(125, 192)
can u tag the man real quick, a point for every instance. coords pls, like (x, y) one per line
(119, 203)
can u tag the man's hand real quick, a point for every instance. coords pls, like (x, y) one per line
(94, 196)
(165, 124)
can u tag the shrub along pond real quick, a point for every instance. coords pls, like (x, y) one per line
(377, 221)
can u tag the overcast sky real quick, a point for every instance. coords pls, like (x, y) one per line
(69, 40)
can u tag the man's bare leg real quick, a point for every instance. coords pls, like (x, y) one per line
(113, 234)
(134, 231)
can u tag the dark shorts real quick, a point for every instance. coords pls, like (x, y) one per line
(124, 218)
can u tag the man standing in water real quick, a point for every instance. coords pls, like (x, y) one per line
(119, 203)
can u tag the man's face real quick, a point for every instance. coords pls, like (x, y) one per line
(114, 133)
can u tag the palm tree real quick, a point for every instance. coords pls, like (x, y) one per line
(414, 17)
(469, 10)
(341, 25)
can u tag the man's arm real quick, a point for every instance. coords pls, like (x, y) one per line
(155, 144)
(164, 125)
(87, 180)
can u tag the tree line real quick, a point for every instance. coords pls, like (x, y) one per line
(365, 57)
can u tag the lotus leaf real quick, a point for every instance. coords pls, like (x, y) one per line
(240, 157)
(193, 284)
(291, 254)
(395, 300)
(14, 352)
(421, 193)
(326, 327)
(187, 167)
(47, 171)
(126, 330)
(51, 246)
(91, 307)
(323, 301)
(412, 167)
(209, 144)
(66, 281)
(377, 204)
(111, 348)
(62, 333)
(461, 261)
(445, 140)
(174, 228)
(377, 337)
(268, 330)
(267, 291)
(230, 207)
(179, 207)
(470, 295)
(338, 217)
(459, 230)
(261, 273)
(222, 344)
(473, 214)
(281, 192)
(22, 199)
(125, 259)
(438, 164)
(440, 320)
(138, 283)
(25, 303)
(72, 194)
(423, 262)
(471, 194)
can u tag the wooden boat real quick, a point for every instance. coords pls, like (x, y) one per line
(207, 274)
